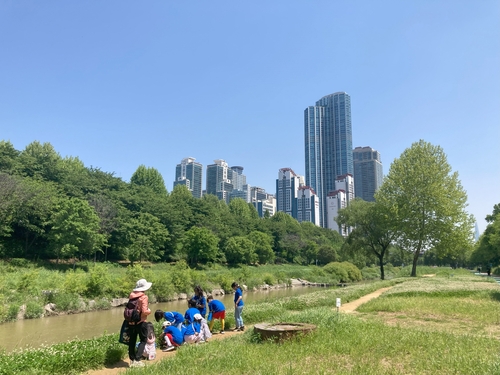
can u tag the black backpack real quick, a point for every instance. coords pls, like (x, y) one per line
(131, 312)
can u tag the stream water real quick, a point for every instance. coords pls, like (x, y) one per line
(55, 329)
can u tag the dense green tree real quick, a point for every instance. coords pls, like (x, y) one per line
(262, 246)
(487, 249)
(146, 236)
(373, 228)
(149, 177)
(8, 157)
(240, 250)
(200, 246)
(40, 161)
(427, 203)
(75, 229)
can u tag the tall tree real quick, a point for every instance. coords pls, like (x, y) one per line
(200, 246)
(149, 177)
(373, 228)
(427, 202)
(75, 229)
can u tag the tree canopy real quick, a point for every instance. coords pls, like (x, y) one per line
(427, 203)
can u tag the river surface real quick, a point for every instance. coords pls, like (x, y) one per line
(55, 329)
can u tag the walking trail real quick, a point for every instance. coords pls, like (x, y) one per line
(122, 366)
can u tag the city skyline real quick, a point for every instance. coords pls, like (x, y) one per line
(119, 85)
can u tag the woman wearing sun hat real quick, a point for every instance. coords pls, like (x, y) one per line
(140, 328)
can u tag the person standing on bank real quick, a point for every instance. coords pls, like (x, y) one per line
(139, 329)
(238, 307)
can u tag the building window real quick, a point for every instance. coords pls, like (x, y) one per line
(307, 204)
(299, 201)
(288, 200)
(299, 216)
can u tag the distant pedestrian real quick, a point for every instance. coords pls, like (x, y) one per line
(488, 270)
(238, 307)
(140, 328)
(217, 311)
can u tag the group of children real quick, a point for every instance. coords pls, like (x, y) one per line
(192, 327)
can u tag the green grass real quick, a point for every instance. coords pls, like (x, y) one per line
(440, 325)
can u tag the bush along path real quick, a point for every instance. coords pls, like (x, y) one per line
(122, 365)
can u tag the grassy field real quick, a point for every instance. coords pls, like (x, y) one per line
(446, 324)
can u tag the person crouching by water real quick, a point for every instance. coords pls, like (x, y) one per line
(174, 317)
(139, 329)
(238, 307)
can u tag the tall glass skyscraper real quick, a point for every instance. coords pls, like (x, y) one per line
(368, 172)
(189, 173)
(328, 145)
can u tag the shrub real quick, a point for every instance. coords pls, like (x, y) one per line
(74, 282)
(353, 271)
(337, 271)
(33, 310)
(12, 312)
(66, 301)
(98, 280)
(269, 279)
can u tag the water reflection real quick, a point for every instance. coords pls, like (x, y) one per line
(52, 330)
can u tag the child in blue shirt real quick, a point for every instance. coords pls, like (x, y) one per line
(238, 307)
(191, 311)
(191, 333)
(172, 336)
(217, 310)
(201, 302)
(175, 318)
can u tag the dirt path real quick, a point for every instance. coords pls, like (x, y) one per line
(350, 307)
(121, 366)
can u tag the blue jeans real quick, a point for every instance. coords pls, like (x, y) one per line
(237, 316)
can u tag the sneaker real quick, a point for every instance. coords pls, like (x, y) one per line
(137, 364)
(168, 349)
(242, 328)
(221, 332)
(236, 329)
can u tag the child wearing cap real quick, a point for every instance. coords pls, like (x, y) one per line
(175, 318)
(217, 311)
(172, 336)
(204, 330)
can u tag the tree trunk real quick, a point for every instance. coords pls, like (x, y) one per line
(381, 260)
(415, 260)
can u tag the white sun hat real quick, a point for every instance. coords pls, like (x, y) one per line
(166, 323)
(142, 285)
(197, 317)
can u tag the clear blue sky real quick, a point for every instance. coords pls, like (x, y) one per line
(124, 83)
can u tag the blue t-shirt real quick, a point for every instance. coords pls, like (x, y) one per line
(176, 334)
(201, 301)
(216, 306)
(174, 317)
(190, 329)
(189, 315)
(238, 294)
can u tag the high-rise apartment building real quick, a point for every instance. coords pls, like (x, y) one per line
(337, 199)
(328, 146)
(368, 173)
(219, 180)
(262, 201)
(296, 199)
(189, 173)
(307, 205)
(287, 185)
(240, 187)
